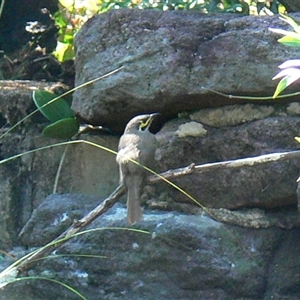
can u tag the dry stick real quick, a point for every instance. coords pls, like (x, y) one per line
(120, 191)
(238, 163)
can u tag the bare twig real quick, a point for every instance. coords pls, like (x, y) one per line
(249, 161)
(172, 173)
(238, 163)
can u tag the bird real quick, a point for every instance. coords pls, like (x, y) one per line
(139, 144)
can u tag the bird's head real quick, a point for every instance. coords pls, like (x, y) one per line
(141, 122)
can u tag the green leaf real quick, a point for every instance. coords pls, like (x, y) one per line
(64, 51)
(286, 81)
(52, 110)
(290, 38)
(291, 22)
(291, 41)
(68, 38)
(62, 129)
(60, 20)
(280, 87)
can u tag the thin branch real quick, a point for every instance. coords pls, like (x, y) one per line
(238, 163)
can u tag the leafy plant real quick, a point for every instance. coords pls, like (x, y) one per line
(290, 69)
(71, 16)
(57, 110)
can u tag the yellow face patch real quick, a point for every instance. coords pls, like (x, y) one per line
(144, 125)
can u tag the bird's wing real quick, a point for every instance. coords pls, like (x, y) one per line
(128, 149)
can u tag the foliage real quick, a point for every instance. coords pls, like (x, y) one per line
(290, 69)
(73, 14)
(57, 110)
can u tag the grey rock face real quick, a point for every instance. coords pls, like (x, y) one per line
(53, 216)
(16, 100)
(168, 57)
(27, 180)
(15, 190)
(268, 185)
(175, 256)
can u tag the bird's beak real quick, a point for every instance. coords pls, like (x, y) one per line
(152, 116)
(150, 119)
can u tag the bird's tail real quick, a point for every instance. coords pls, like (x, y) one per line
(134, 210)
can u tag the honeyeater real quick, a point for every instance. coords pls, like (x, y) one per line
(138, 144)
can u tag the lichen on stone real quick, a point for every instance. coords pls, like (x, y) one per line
(232, 115)
(191, 129)
(293, 109)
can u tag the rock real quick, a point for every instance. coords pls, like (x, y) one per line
(232, 115)
(170, 256)
(191, 129)
(294, 108)
(268, 185)
(53, 216)
(256, 218)
(16, 100)
(27, 179)
(283, 272)
(171, 62)
(17, 191)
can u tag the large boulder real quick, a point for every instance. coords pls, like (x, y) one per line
(170, 60)
(167, 256)
(231, 133)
